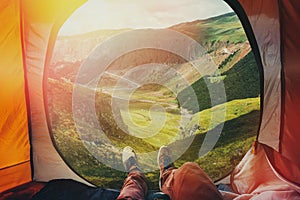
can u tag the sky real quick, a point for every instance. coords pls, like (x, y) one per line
(138, 14)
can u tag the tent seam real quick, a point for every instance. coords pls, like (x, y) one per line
(28, 109)
(282, 79)
(20, 163)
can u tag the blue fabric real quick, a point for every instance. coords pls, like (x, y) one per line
(68, 189)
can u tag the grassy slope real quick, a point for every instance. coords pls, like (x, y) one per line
(240, 128)
(238, 72)
(226, 28)
(71, 145)
(142, 114)
(239, 131)
(241, 81)
(235, 141)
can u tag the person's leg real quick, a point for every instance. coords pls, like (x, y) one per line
(167, 181)
(135, 186)
(167, 170)
(191, 181)
(187, 182)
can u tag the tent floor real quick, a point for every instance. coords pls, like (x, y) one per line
(22, 192)
(66, 189)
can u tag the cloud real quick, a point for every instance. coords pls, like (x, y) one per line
(115, 14)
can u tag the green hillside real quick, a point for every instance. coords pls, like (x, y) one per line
(71, 144)
(241, 81)
(235, 140)
(224, 28)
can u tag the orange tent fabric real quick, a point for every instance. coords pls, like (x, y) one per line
(278, 39)
(14, 138)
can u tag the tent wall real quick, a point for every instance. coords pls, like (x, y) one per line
(40, 24)
(275, 26)
(287, 161)
(265, 21)
(14, 140)
(290, 135)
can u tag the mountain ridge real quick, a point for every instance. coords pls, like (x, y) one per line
(71, 51)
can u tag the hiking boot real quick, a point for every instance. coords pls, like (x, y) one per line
(129, 159)
(164, 161)
(164, 158)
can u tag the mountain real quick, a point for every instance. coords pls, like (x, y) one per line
(222, 37)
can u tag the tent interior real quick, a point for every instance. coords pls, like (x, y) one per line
(217, 81)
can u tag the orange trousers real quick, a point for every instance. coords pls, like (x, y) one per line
(134, 187)
(187, 182)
